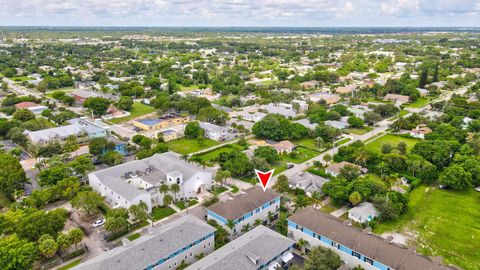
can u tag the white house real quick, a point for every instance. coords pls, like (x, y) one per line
(214, 132)
(138, 181)
(363, 213)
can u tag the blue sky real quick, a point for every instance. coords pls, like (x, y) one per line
(309, 13)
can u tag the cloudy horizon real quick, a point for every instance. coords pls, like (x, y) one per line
(236, 13)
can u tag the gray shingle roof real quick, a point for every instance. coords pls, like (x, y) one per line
(370, 245)
(150, 248)
(253, 198)
(260, 241)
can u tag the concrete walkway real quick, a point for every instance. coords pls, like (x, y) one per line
(339, 212)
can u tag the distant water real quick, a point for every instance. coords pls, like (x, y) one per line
(286, 30)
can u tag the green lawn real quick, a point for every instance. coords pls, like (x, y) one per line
(219, 190)
(4, 201)
(133, 236)
(21, 79)
(161, 212)
(376, 145)
(419, 103)
(212, 156)
(138, 109)
(192, 87)
(358, 131)
(308, 143)
(343, 141)
(181, 204)
(49, 93)
(446, 222)
(187, 145)
(70, 265)
(234, 188)
(304, 154)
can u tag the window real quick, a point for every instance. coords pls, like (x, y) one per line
(368, 260)
(190, 254)
(356, 254)
(186, 257)
(335, 244)
(204, 246)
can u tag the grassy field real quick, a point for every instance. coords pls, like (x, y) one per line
(187, 145)
(376, 145)
(419, 103)
(304, 154)
(358, 131)
(161, 212)
(49, 93)
(308, 143)
(181, 204)
(138, 109)
(343, 141)
(446, 222)
(70, 265)
(212, 156)
(192, 87)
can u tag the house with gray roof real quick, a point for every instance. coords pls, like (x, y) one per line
(250, 205)
(337, 124)
(353, 245)
(163, 248)
(81, 128)
(363, 213)
(214, 132)
(138, 181)
(284, 109)
(306, 123)
(308, 182)
(260, 248)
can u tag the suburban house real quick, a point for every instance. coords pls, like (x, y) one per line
(354, 246)
(113, 112)
(345, 89)
(31, 106)
(302, 105)
(327, 97)
(260, 248)
(138, 181)
(166, 121)
(169, 135)
(359, 110)
(337, 124)
(306, 123)
(214, 132)
(397, 98)
(420, 132)
(81, 128)
(284, 109)
(284, 147)
(309, 84)
(251, 116)
(363, 213)
(163, 248)
(335, 168)
(308, 182)
(80, 95)
(251, 205)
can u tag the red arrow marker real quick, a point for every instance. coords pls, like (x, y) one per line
(264, 177)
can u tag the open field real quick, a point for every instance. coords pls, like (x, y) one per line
(138, 109)
(394, 140)
(303, 155)
(446, 223)
(419, 103)
(187, 145)
(308, 143)
(358, 131)
(211, 157)
(181, 204)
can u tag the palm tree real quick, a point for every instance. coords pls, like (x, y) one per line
(175, 188)
(184, 157)
(300, 201)
(302, 244)
(317, 164)
(270, 216)
(167, 199)
(257, 222)
(76, 236)
(327, 158)
(362, 158)
(164, 188)
(253, 181)
(246, 228)
(230, 224)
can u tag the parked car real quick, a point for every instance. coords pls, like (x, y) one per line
(477, 189)
(290, 165)
(98, 223)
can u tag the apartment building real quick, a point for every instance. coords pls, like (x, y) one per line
(165, 121)
(166, 248)
(253, 204)
(138, 181)
(214, 132)
(354, 246)
(260, 248)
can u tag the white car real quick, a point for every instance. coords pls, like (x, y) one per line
(477, 189)
(98, 223)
